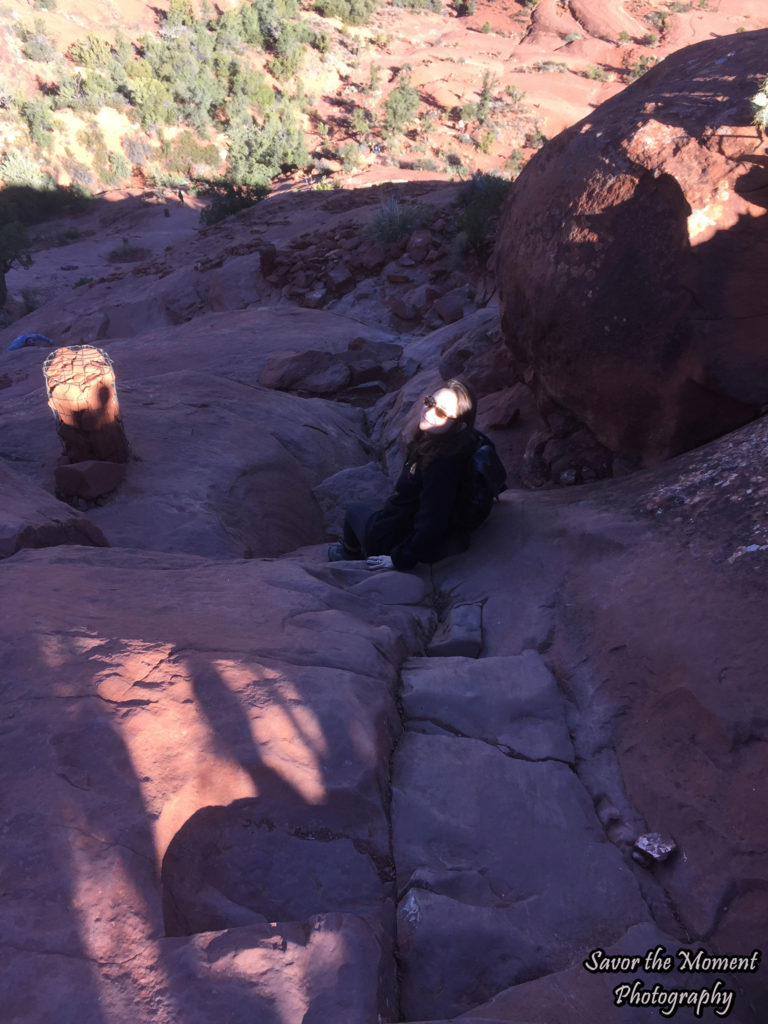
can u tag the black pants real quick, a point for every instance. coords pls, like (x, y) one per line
(356, 520)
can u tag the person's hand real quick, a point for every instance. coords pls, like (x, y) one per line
(379, 562)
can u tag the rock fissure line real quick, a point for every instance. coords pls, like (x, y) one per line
(70, 956)
(107, 844)
(616, 828)
(398, 699)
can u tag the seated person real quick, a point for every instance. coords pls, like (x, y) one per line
(419, 521)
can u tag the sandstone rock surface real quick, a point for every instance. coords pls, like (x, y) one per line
(630, 285)
(32, 518)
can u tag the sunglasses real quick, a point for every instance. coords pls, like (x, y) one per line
(430, 403)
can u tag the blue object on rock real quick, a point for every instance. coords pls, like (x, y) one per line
(28, 339)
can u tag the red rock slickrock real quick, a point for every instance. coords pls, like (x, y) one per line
(631, 257)
(242, 783)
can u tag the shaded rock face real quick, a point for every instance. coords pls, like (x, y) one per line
(31, 518)
(205, 748)
(645, 597)
(630, 258)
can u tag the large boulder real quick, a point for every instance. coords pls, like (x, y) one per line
(631, 258)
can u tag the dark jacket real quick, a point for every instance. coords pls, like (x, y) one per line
(417, 523)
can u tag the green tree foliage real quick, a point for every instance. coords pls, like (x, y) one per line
(180, 12)
(420, 5)
(152, 101)
(359, 122)
(481, 199)
(87, 91)
(401, 106)
(19, 169)
(258, 153)
(37, 115)
(229, 199)
(180, 67)
(760, 107)
(90, 52)
(13, 245)
(36, 44)
(288, 48)
(351, 12)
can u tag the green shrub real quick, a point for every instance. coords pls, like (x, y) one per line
(420, 5)
(18, 168)
(37, 115)
(401, 106)
(359, 121)
(572, 37)
(760, 107)
(289, 53)
(535, 139)
(137, 149)
(515, 162)
(486, 27)
(391, 222)
(485, 142)
(486, 94)
(597, 74)
(658, 19)
(464, 8)
(651, 39)
(36, 44)
(228, 199)
(480, 202)
(258, 153)
(640, 67)
(351, 12)
(90, 52)
(45, 5)
(349, 154)
(118, 169)
(516, 95)
(89, 91)
(250, 86)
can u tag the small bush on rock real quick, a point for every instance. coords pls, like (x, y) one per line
(760, 107)
(393, 222)
(36, 44)
(401, 106)
(351, 12)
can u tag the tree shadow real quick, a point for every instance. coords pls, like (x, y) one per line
(118, 725)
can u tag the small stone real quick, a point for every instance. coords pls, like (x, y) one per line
(653, 846)
(340, 278)
(372, 257)
(450, 307)
(419, 245)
